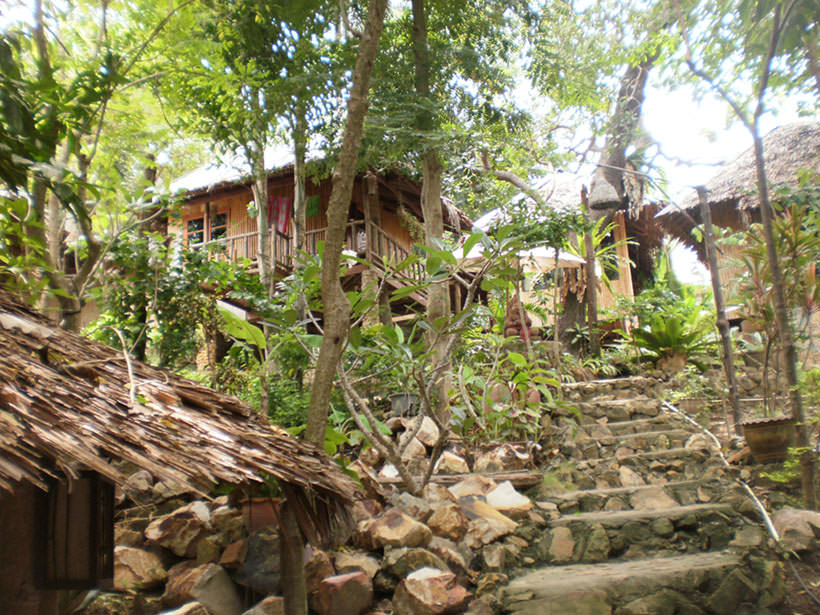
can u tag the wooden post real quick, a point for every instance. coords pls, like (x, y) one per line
(292, 561)
(371, 213)
(720, 306)
(592, 281)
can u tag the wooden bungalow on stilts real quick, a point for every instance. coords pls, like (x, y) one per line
(384, 221)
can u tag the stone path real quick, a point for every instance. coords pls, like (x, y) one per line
(648, 520)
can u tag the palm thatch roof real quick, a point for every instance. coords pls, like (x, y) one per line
(69, 404)
(732, 193)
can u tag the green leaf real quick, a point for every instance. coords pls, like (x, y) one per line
(355, 337)
(241, 329)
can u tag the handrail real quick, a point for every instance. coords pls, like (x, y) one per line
(383, 248)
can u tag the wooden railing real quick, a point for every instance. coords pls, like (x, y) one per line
(377, 246)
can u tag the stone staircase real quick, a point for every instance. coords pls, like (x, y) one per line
(645, 519)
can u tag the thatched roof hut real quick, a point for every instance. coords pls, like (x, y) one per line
(732, 193)
(69, 404)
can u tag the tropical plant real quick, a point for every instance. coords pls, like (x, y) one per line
(665, 337)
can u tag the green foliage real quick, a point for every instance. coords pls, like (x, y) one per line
(22, 254)
(503, 395)
(797, 236)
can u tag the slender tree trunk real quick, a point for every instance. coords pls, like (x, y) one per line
(336, 305)
(299, 197)
(781, 314)
(720, 307)
(263, 257)
(438, 296)
(140, 347)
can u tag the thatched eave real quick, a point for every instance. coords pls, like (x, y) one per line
(732, 193)
(68, 403)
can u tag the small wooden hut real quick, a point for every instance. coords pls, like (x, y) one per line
(633, 261)
(70, 408)
(733, 195)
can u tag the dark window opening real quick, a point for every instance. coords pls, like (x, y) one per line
(219, 226)
(196, 232)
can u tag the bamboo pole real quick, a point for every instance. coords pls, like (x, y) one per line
(720, 306)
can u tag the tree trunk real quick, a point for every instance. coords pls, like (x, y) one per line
(299, 197)
(336, 305)
(438, 296)
(606, 188)
(781, 316)
(720, 307)
(260, 201)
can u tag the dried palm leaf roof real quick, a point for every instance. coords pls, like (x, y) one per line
(732, 193)
(68, 403)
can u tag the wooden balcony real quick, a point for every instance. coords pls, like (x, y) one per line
(378, 249)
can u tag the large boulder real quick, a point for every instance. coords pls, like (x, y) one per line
(429, 591)
(486, 523)
(395, 529)
(228, 525)
(345, 594)
(190, 608)
(208, 584)
(401, 562)
(351, 562)
(450, 463)
(428, 432)
(472, 485)
(317, 567)
(417, 508)
(260, 570)
(181, 530)
(504, 458)
(272, 605)
(448, 521)
(136, 569)
(798, 529)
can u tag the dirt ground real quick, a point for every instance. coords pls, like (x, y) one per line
(798, 600)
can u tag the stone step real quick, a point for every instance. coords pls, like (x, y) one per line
(597, 442)
(717, 582)
(620, 517)
(620, 498)
(613, 388)
(620, 409)
(639, 533)
(658, 467)
(674, 438)
(637, 425)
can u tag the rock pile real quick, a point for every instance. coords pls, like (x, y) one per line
(633, 515)
(408, 555)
